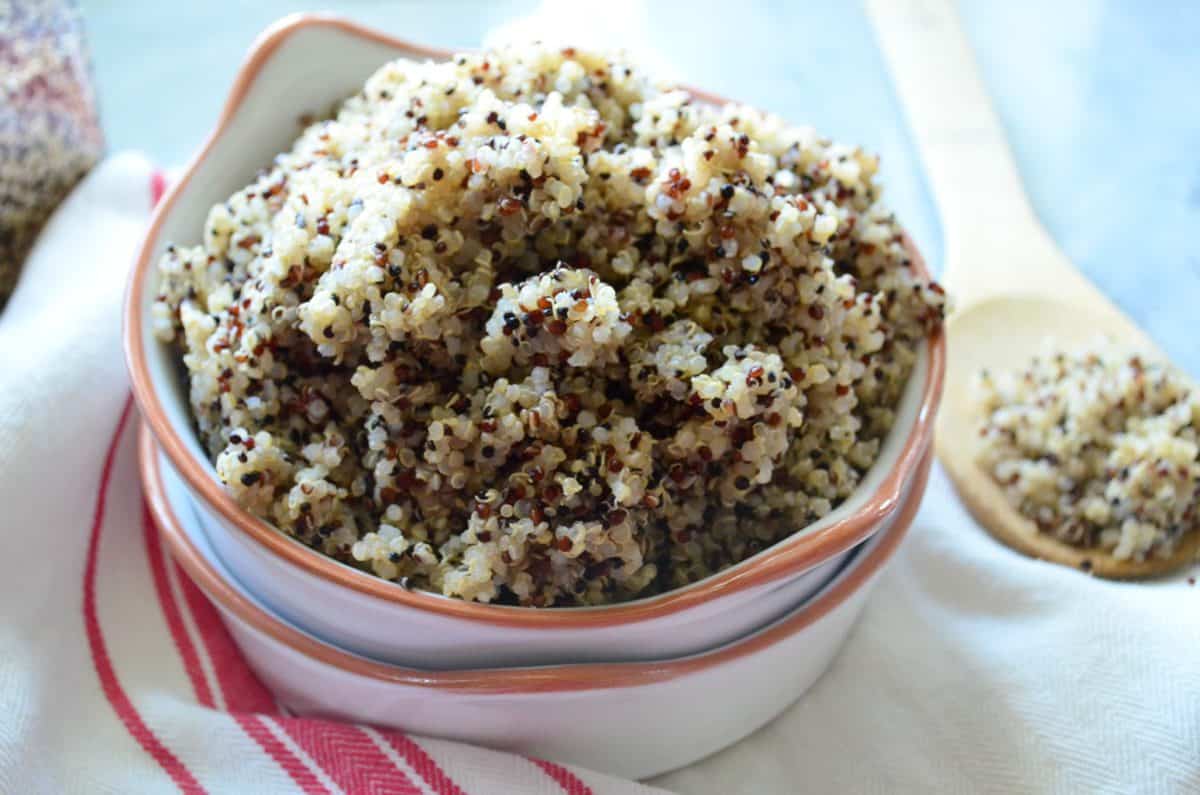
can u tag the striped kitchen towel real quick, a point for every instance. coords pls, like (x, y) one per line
(116, 674)
(973, 669)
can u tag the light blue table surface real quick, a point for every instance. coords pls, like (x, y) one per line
(1100, 99)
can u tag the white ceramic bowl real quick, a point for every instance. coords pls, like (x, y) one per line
(633, 719)
(306, 64)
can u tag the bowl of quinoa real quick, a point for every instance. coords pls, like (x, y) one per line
(526, 329)
(1099, 449)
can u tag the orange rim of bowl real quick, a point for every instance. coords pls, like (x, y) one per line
(786, 557)
(580, 676)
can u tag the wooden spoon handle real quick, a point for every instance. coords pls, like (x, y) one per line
(993, 241)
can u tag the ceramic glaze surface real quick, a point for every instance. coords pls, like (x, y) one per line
(305, 64)
(643, 718)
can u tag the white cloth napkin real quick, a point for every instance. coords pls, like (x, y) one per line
(973, 669)
(115, 673)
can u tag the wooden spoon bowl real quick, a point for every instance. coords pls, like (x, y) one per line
(1002, 334)
(1014, 288)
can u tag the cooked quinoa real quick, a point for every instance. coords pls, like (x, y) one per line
(1099, 448)
(526, 327)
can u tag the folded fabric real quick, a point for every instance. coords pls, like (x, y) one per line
(116, 674)
(972, 669)
(975, 669)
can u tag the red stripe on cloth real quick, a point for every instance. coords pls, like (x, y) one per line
(570, 783)
(158, 186)
(244, 693)
(101, 661)
(423, 763)
(349, 757)
(304, 778)
(166, 600)
(242, 690)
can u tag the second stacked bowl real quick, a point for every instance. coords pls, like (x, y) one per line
(633, 719)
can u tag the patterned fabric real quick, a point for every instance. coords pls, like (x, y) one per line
(973, 668)
(116, 673)
(49, 133)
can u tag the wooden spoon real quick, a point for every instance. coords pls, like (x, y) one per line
(1011, 285)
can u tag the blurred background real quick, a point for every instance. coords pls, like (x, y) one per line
(1098, 98)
